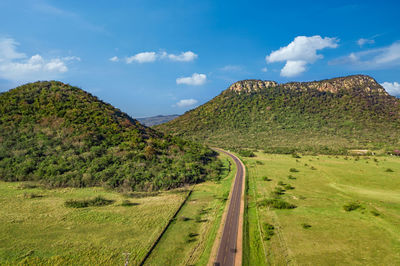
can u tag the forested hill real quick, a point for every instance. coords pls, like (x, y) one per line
(63, 136)
(328, 116)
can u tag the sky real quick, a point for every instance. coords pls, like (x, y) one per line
(151, 57)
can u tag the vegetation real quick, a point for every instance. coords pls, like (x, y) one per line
(268, 230)
(43, 231)
(190, 238)
(296, 117)
(96, 202)
(63, 136)
(317, 231)
(351, 206)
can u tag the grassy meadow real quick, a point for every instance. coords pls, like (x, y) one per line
(37, 228)
(322, 210)
(189, 239)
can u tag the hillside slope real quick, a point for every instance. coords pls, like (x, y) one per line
(64, 136)
(326, 116)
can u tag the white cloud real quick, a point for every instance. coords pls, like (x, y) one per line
(17, 67)
(196, 79)
(293, 68)
(300, 52)
(393, 88)
(186, 102)
(183, 57)
(114, 59)
(144, 57)
(264, 69)
(361, 42)
(374, 58)
(147, 57)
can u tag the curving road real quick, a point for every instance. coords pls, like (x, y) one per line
(230, 248)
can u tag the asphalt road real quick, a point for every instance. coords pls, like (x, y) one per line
(227, 248)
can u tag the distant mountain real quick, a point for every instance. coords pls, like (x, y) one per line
(156, 120)
(328, 116)
(63, 136)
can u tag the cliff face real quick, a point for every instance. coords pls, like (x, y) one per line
(357, 83)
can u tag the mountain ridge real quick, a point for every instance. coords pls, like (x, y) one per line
(331, 115)
(63, 136)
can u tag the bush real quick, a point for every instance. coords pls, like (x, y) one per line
(375, 213)
(351, 206)
(288, 187)
(305, 226)
(293, 170)
(295, 155)
(96, 202)
(276, 204)
(389, 170)
(281, 183)
(246, 153)
(259, 162)
(265, 178)
(268, 231)
(127, 203)
(291, 177)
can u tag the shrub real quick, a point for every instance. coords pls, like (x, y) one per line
(295, 155)
(293, 170)
(313, 168)
(375, 213)
(185, 219)
(259, 162)
(280, 183)
(389, 170)
(268, 231)
(291, 177)
(265, 178)
(246, 153)
(96, 202)
(127, 203)
(288, 187)
(351, 206)
(276, 204)
(305, 226)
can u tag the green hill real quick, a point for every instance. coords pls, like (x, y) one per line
(328, 116)
(63, 136)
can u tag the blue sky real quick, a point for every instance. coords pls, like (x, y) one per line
(164, 57)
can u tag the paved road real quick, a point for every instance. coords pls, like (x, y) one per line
(227, 248)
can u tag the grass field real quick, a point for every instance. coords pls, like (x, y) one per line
(319, 231)
(37, 228)
(190, 238)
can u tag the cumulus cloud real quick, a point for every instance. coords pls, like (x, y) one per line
(147, 57)
(196, 79)
(186, 102)
(182, 57)
(18, 67)
(373, 58)
(393, 88)
(144, 57)
(264, 69)
(300, 52)
(361, 42)
(114, 59)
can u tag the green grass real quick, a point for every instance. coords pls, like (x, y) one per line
(42, 230)
(190, 238)
(320, 231)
